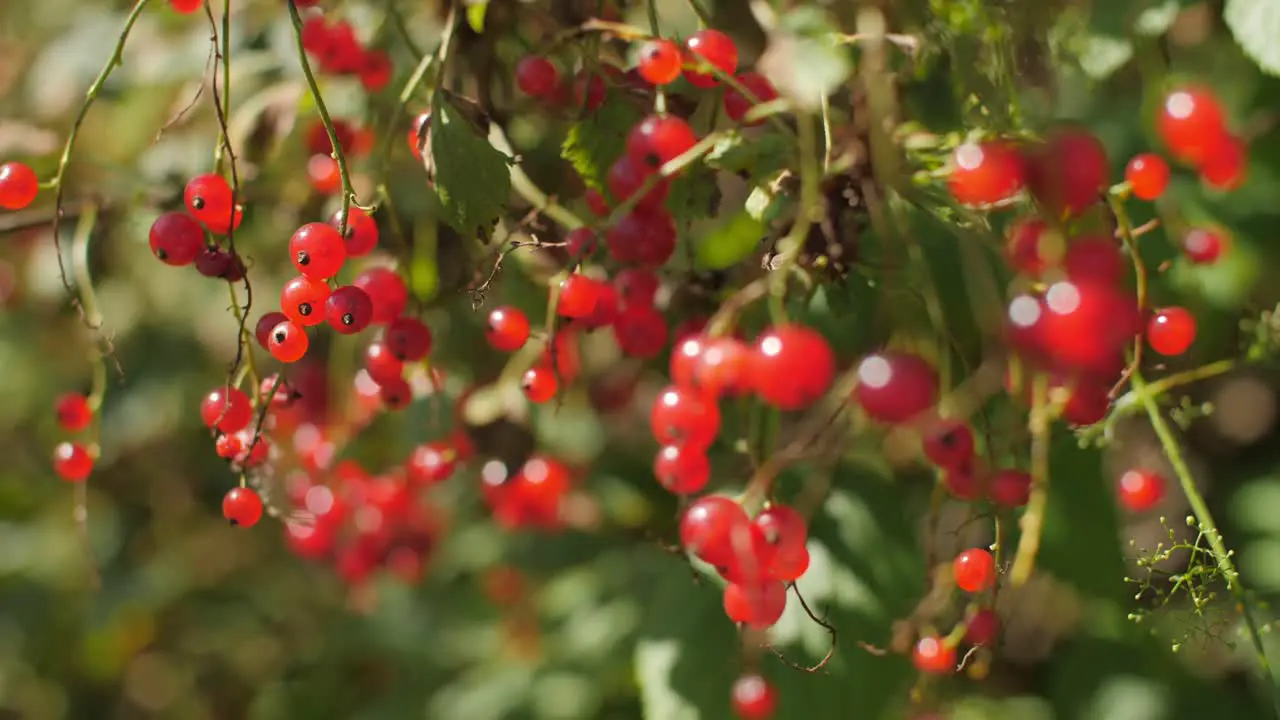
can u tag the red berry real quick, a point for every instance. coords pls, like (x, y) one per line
(588, 91)
(1088, 402)
(643, 237)
(325, 174)
(628, 176)
(396, 393)
(1140, 490)
(709, 525)
(578, 296)
(1094, 258)
(974, 570)
(213, 262)
(241, 506)
(985, 173)
(348, 310)
(757, 604)
(713, 48)
(1030, 246)
(683, 416)
(1190, 122)
(636, 286)
(432, 463)
(408, 338)
(228, 446)
(72, 462)
(1203, 246)
(596, 203)
(536, 76)
(318, 251)
(681, 469)
(375, 70)
(659, 61)
(792, 366)
(1068, 172)
(737, 105)
(387, 290)
(789, 565)
(754, 698)
(894, 387)
(508, 329)
(983, 627)
(318, 142)
(267, 323)
(1224, 168)
(288, 341)
(1010, 488)
(962, 484)
(641, 331)
(73, 412)
(1171, 331)
(783, 528)
(210, 200)
(724, 366)
(362, 232)
(381, 365)
(176, 238)
(186, 7)
(659, 139)
(932, 655)
(949, 445)
(1087, 324)
(303, 300)
(18, 186)
(581, 243)
(227, 410)
(540, 383)
(1148, 175)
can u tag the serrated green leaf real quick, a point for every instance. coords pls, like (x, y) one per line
(472, 179)
(475, 15)
(760, 156)
(730, 243)
(1256, 27)
(693, 195)
(595, 142)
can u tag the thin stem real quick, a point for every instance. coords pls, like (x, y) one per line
(224, 51)
(1024, 560)
(810, 205)
(1125, 231)
(84, 281)
(651, 7)
(347, 192)
(704, 17)
(1221, 555)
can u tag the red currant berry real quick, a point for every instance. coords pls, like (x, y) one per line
(986, 173)
(578, 296)
(723, 367)
(540, 383)
(643, 237)
(302, 300)
(606, 310)
(362, 231)
(1087, 402)
(962, 484)
(1087, 324)
(932, 655)
(1225, 167)
(659, 62)
(536, 76)
(210, 200)
(636, 286)
(641, 331)
(1140, 490)
(348, 310)
(659, 139)
(949, 445)
(228, 446)
(396, 394)
(737, 105)
(176, 239)
(227, 410)
(783, 528)
(588, 91)
(186, 7)
(974, 570)
(1032, 246)
(242, 507)
(72, 462)
(267, 323)
(408, 338)
(789, 565)
(1203, 246)
(596, 203)
(713, 48)
(1148, 176)
(381, 365)
(791, 366)
(1190, 122)
(628, 176)
(213, 262)
(1010, 488)
(432, 463)
(683, 416)
(508, 329)
(754, 698)
(1094, 258)
(581, 243)
(375, 70)
(1068, 172)
(1171, 331)
(757, 604)
(983, 627)
(73, 412)
(287, 341)
(388, 292)
(894, 387)
(18, 186)
(681, 469)
(325, 174)
(318, 251)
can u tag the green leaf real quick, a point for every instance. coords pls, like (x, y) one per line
(693, 195)
(472, 178)
(1103, 55)
(596, 141)
(760, 156)
(475, 15)
(730, 243)
(1256, 27)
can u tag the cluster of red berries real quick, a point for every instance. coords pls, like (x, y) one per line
(322, 168)
(73, 461)
(338, 51)
(179, 238)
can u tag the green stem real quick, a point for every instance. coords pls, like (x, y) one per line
(810, 205)
(1221, 555)
(89, 301)
(1024, 560)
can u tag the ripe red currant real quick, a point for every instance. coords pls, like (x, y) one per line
(783, 528)
(408, 338)
(1148, 176)
(287, 341)
(1171, 331)
(1191, 123)
(1140, 490)
(974, 570)
(536, 76)
(949, 445)
(1087, 402)
(387, 290)
(176, 238)
(985, 173)
(588, 91)
(1224, 168)
(680, 415)
(659, 139)
(317, 250)
(681, 469)
(1087, 324)
(73, 412)
(18, 186)
(348, 310)
(713, 48)
(540, 383)
(791, 366)
(210, 200)
(894, 387)
(241, 506)
(757, 604)
(737, 105)
(1068, 172)
(72, 462)
(186, 7)
(983, 627)
(267, 323)
(432, 463)
(375, 70)
(659, 61)
(1010, 488)
(395, 393)
(644, 237)
(508, 329)
(578, 296)
(1094, 258)
(302, 300)
(1203, 246)
(381, 365)
(362, 231)
(641, 331)
(636, 286)
(628, 176)
(227, 410)
(754, 698)
(934, 656)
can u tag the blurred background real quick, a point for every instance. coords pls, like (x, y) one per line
(176, 615)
